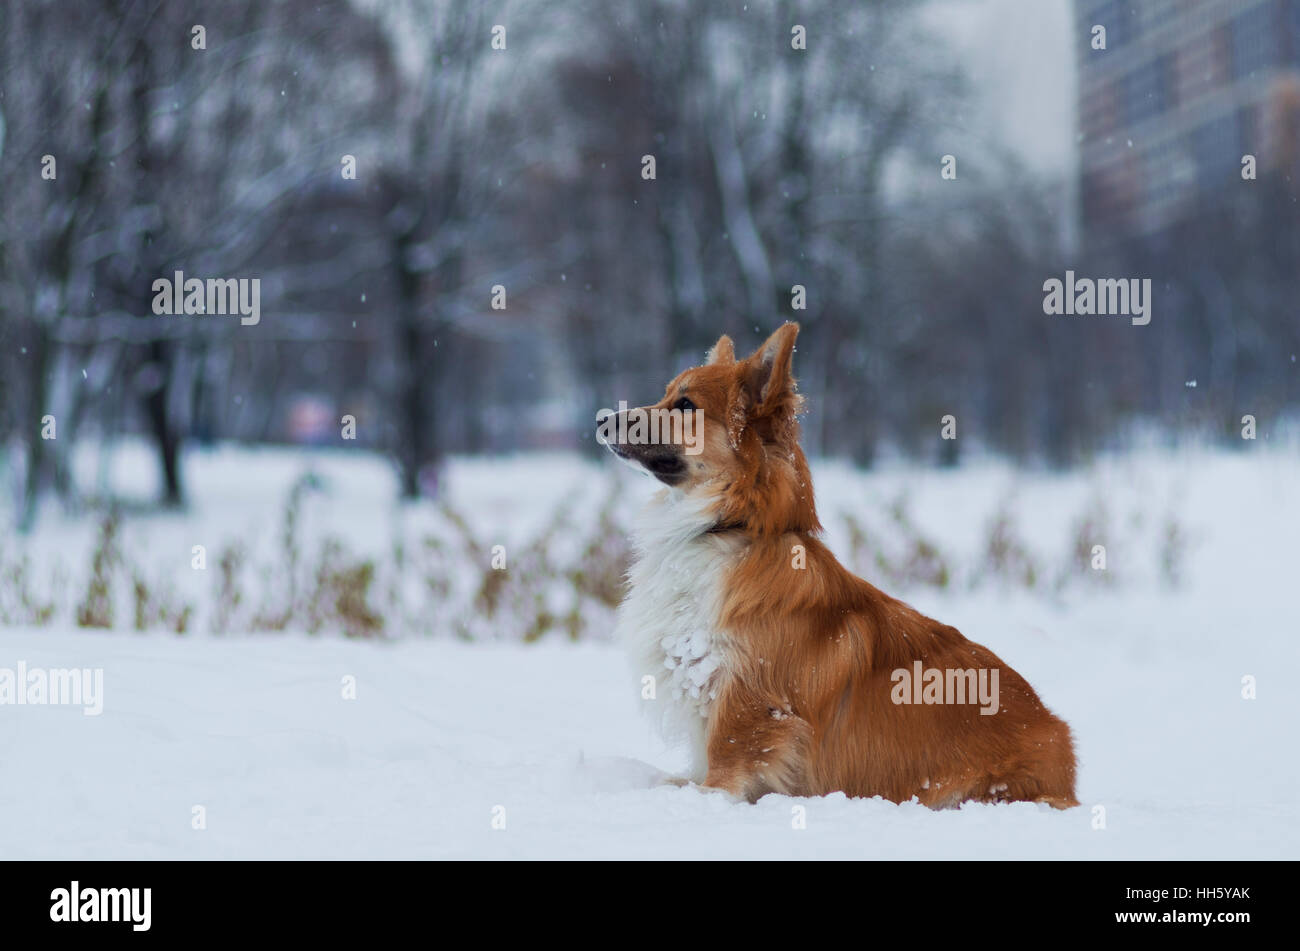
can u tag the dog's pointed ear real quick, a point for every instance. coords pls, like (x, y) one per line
(723, 352)
(770, 382)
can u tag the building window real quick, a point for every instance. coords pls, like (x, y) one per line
(1217, 148)
(1255, 38)
(1291, 30)
(1120, 20)
(1146, 91)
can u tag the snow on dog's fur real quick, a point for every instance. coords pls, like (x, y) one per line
(779, 667)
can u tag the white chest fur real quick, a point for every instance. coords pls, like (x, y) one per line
(669, 620)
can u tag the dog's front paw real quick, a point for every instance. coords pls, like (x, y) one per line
(682, 782)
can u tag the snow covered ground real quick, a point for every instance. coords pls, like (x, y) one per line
(445, 740)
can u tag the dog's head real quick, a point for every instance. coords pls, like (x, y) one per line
(728, 428)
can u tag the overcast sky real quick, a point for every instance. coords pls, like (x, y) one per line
(1020, 59)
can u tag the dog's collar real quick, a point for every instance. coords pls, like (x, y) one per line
(725, 527)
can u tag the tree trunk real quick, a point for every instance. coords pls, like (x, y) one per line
(414, 449)
(165, 437)
(41, 349)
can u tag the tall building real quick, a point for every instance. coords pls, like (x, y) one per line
(1183, 91)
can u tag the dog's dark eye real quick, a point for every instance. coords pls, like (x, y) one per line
(684, 405)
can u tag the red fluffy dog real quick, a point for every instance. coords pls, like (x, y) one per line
(784, 671)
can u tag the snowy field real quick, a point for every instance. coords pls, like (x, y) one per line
(445, 736)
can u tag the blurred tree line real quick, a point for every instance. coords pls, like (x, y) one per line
(515, 159)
